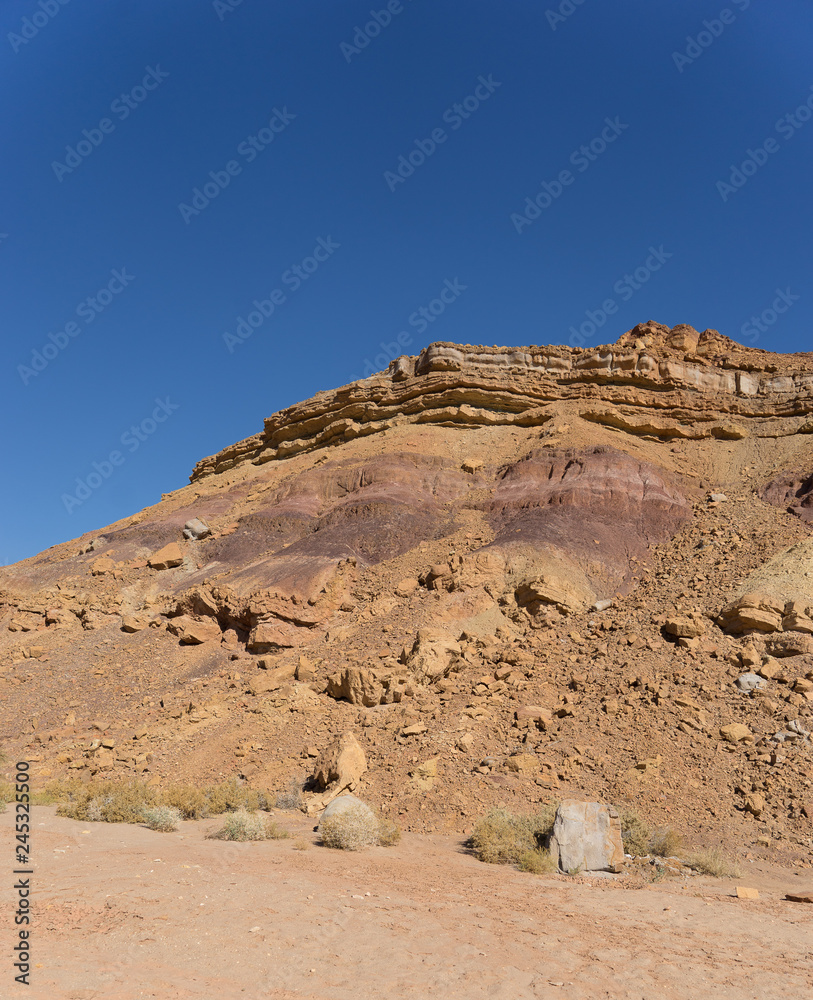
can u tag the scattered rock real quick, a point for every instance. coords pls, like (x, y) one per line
(196, 529)
(129, 623)
(433, 655)
(166, 558)
(743, 892)
(735, 732)
(193, 632)
(751, 682)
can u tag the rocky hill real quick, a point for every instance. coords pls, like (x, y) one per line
(511, 573)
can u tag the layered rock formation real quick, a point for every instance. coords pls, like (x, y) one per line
(530, 568)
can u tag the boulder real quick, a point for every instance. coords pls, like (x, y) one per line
(196, 529)
(167, 557)
(342, 763)
(192, 632)
(356, 685)
(587, 837)
(751, 682)
(685, 626)
(754, 611)
(735, 732)
(342, 803)
(433, 656)
(129, 623)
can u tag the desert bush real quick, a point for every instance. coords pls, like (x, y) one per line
(712, 861)
(666, 843)
(291, 796)
(389, 833)
(300, 845)
(243, 825)
(537, 862)
(635, 834)
(106, 801)
(162, 818)
(350, 830)
(502, 837)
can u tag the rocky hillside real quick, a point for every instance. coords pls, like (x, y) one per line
(510, 573)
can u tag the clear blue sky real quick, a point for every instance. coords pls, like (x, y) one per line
(292, 120)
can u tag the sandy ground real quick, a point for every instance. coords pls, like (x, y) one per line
(121, 912)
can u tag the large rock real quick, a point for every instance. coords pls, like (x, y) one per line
(342, 803)
(433, 656)
(341, 764)
(196, 529)
(587, 837)
(356, 685)
(337, 769)
(167, 557)
(193, 632)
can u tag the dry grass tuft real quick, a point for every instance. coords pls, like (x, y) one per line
(712, 861)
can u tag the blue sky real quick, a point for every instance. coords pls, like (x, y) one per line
(209, 211)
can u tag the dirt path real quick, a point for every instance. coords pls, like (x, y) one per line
(123, 913)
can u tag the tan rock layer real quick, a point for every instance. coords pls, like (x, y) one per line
(668, 393)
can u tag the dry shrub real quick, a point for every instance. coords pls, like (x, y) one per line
(291, 796)
(106, 801)
(635, 834)
(162, 818)
(537, 862)
(243, 825)
(350, 830)
(502, 837)
(666, 843)
(712, 861)
(300, 845)
(389, 833)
